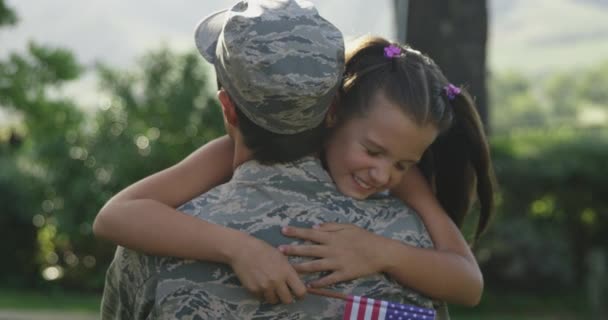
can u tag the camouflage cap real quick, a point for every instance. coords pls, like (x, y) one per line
(279, 61)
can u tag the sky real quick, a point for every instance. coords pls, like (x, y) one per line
(118, 31)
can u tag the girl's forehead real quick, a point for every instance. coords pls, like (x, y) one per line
(388, 126)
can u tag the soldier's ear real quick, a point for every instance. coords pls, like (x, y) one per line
(228, 107)
(330, 117)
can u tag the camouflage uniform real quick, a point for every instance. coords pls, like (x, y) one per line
(259, 200)
(279, 60)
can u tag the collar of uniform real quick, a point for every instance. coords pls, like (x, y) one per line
(305, 169)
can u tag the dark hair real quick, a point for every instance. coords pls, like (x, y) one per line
(268, 147)
(457, 164)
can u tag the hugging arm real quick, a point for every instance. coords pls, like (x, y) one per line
(449, 272)
(143, 217)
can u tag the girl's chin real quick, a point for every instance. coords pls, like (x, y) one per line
(352, 193)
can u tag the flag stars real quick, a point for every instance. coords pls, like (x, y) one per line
(385, 310)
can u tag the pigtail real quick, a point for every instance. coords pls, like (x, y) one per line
(480, 160)
(461, 169)
(457, 164)
(451, 174)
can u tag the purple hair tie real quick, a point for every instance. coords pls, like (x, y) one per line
(392, 51)
(451, 91)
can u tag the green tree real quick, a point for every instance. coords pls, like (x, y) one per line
(561, 92)
(7, 15)
(154, 116)
(70, 162)
(553, 207)
(515, 105)
(27, 81)
(593, 84)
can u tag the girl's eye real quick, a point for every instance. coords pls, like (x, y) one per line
(373, 153)
(402, 166)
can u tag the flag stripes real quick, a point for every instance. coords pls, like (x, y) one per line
(362, 308)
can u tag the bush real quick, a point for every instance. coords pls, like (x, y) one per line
(553, 207)
(19, 253)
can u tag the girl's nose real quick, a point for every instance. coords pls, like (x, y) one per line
(380, 175)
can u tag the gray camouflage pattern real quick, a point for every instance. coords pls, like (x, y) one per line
(259, 200)
(280, 61)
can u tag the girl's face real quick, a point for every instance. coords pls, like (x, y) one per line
(370, 153)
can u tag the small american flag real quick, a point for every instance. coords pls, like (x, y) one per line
(362, 308)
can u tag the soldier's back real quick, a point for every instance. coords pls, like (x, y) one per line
(260, 200)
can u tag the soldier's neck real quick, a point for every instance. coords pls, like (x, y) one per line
(242, 154)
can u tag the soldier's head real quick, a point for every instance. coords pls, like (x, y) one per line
(278, 64)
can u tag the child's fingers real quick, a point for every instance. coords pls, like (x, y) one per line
(297, 286)
(318, 265)
(284, 294)
(328, 280)
(331, 226)
(270, 296)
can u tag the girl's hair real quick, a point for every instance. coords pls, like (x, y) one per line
(457, 164)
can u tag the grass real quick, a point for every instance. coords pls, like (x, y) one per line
(55, 300)
(524, 306)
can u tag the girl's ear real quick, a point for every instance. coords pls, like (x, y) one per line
(228, 107)
(330, 118)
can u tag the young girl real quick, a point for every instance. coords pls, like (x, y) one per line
(360, 155)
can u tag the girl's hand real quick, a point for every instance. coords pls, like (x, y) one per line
(266, 273)
(346, 251)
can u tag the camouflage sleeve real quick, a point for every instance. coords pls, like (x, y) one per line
(192, 302)
(115, 300)
(442, 311)
(129, 287)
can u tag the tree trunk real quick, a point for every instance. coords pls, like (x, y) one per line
(453, 33)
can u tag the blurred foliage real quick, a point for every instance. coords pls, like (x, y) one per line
(553, 207)
(68, 162)
(24, 85)
(7, 15)
(563, 99)
(513, 102)
(18, 233)
(550, 150)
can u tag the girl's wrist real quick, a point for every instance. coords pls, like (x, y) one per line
(233, 245)
(385, 254)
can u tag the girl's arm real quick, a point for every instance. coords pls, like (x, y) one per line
(448, 272)
(143, 216)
